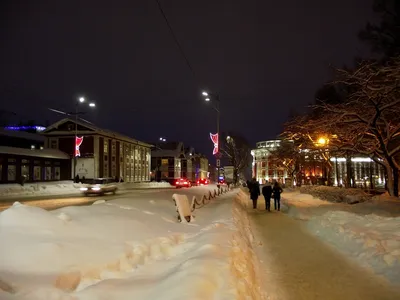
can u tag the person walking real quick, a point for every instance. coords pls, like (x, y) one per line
(277, 190)
(267, 193)
(254, 192)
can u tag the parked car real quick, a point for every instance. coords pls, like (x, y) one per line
(202, 181)
(182, 182)
(100, 186)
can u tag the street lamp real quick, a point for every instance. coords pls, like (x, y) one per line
(91, 104)
(215, 97)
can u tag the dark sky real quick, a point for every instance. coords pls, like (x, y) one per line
(264, 58)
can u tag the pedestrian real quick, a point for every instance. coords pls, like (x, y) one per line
(277, 190)
(254, 192)
(267, 193)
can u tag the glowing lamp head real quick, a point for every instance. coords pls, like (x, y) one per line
(92, 104)
(81, 99)
(204, 94)
(207, 99)
(322, 141)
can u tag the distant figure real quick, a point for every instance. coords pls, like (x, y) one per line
(267, 193)
(277, 190)
(77, 178)
(254, 192)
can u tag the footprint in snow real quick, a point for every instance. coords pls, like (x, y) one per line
(148, 212)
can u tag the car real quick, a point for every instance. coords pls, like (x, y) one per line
(100, 186)
(221, 181)
(182, 182)
(202, 181)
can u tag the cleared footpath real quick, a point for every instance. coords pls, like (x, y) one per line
(297, 265)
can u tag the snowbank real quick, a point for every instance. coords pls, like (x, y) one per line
(144, 185)
(336, 194)
(40, 188)
(126, 250)
(366, 232)
(244, 261)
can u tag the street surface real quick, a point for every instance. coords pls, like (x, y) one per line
(297, 265)
(54, 202)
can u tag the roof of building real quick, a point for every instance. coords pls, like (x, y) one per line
(44, 153)
(22, 135)
(98, 130)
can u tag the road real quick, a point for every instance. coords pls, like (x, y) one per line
(297, 265)
(54, 202)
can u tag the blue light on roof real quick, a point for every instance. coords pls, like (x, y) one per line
(21, 128)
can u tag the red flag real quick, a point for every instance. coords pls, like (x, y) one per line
(78, 143)
(214, 139)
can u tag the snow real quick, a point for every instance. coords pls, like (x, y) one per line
(39, 189)
(54, 188)
(368, 232)
(126, 249)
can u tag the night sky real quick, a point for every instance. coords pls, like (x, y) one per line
(264, 58)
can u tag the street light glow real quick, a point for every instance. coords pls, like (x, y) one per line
(205, 94)
(322, 141)
(81, 99)
(207, 99)
(92, 104)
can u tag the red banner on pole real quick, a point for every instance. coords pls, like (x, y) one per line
(214, 139)
(78, 143)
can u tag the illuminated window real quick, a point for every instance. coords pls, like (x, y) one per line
(164, 161)
(105, 146)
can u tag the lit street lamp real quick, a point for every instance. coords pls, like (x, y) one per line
(91, 104)
(215, 98)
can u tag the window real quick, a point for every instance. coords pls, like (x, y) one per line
(12, 173)
(25, 171)
(164, 161)
(53, 144)
(47, 173)
(105, 158)
(12, 160)
(37, 173)
(105, 146)
(57, 174)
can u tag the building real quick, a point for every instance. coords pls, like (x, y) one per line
(201, 166)
(100, 152)
(263, 168)
(166, 161)
(188, 166)
(22, 155)
(313, 169)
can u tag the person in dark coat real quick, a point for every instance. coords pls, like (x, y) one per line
(267, 193)
(277, 190)
(254, 192)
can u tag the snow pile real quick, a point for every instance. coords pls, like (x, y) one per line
(368, 232)
(120, 250)
(144, 185)
(244, 262)
(374, 241)
(336, 194)
(40, 188)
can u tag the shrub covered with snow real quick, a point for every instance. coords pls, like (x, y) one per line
(336, 194)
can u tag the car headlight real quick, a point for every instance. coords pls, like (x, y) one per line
(83, 189)
(96, 189)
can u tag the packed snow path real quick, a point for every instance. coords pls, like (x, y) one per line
(299, 266)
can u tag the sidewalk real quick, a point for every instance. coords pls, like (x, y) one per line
(299, 266)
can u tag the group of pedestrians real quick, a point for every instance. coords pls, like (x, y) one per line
(268, 192)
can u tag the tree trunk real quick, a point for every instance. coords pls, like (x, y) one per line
(349, 171)
(337, 171)
(395, 182)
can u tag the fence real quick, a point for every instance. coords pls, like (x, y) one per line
(185, 210)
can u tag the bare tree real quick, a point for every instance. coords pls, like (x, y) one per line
(369, 121)
(289, 156)
(237, 151)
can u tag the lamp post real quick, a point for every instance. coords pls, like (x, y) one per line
(79, 101)
(209, 97)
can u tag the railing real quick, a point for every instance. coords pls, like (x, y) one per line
(185, 210)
